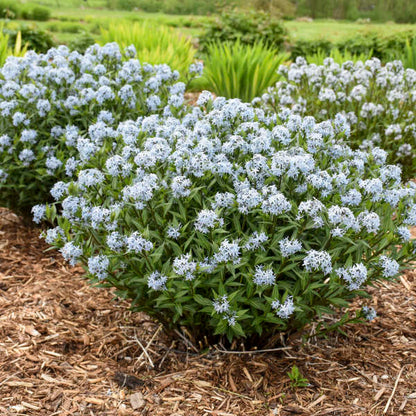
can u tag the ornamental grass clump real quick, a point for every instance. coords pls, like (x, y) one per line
(57, 107)
(156, 44)
(234, 223)
(236, 70)
(378, 101)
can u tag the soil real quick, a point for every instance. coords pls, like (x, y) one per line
(67, 348)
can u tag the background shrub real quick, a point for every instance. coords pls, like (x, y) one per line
(379, 10)
(282, 8)
(196, 7)
(39, 13)
(180, 7)
(309, 48)
(249, 28)
(82, 42)
(384, 47)
(36, 39)
(9, 9)
(151, 6)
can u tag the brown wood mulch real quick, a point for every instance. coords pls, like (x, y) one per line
(67, 348)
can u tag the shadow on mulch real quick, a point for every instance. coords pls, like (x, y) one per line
(67, 348)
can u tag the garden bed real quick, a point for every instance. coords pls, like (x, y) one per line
(67, 348)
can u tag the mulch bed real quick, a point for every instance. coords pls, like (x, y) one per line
(67, 348)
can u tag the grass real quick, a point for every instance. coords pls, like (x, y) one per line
(409, 55)
(155, 44)
(18, 50)
(241, 71)
(334, 31)
(70, 3)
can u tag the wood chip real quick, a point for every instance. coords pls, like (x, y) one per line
(18, 384)
(405, 283)
(317, 401)
(137, 401)
(379, 394)
(30, 406)
(247, 374)
(50, 379)
(95, 400)
(53, 353)
(30, 330)
(202, 383)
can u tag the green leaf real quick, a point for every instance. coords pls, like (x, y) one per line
(202, 301)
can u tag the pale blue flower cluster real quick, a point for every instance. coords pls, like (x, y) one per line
(264, 276)
(184, 266)
(98, 266)
(284, 310)
(157, 281)
(71, 253)
(355, 275)
(318, 261)
(369, 313)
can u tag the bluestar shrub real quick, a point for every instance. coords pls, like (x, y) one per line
(49, 102)
(233, 222)
(378, 101)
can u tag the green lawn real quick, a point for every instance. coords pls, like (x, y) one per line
(337, 30)
(67, 22)
(69, 3)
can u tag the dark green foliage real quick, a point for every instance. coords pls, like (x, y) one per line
(39, 13)
(37, 39)
(200, 7)
(306, 48)
(283, 8)
(9, 9)
(337, 9)
(67, 27)
(81, 42)
(197, 7)
(386, 48)
(401, 11)
(249, 28)
(361, 44)
(126, 4)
